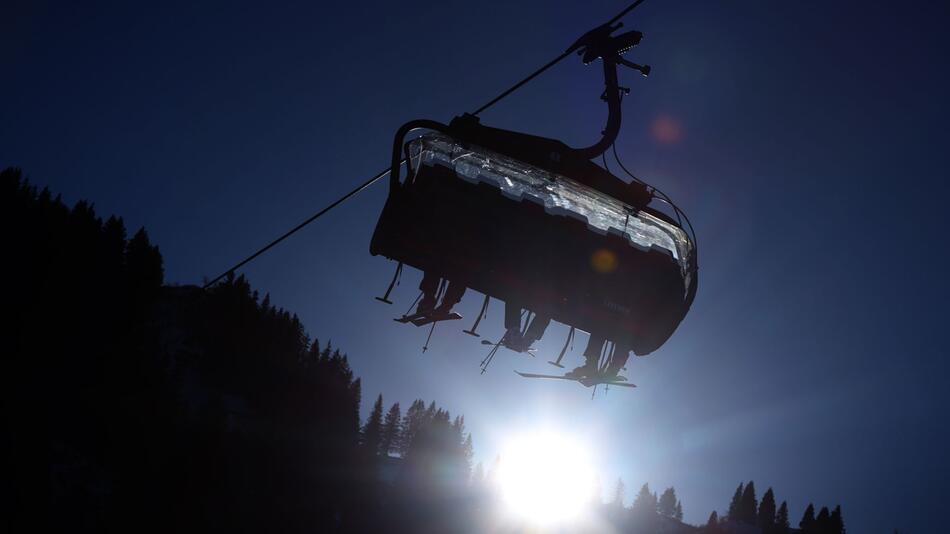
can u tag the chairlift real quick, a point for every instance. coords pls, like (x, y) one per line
(537, 224)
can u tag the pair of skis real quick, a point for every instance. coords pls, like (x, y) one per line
(422, 319)
(588, 381)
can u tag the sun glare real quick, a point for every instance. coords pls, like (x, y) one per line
(545, 478)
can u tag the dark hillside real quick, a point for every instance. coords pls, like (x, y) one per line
(133, 406)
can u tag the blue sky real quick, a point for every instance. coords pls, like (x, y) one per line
(810, 156)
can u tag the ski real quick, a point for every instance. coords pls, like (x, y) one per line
(587, 381)
(428, 319)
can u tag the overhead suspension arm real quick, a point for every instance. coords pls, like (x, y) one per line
(600, 44)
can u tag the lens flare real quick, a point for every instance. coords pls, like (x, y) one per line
(545, 478)
(603, 261)
(666, 130)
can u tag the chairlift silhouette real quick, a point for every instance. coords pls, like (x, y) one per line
(539, 225)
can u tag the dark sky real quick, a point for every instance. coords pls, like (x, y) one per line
(810, 154)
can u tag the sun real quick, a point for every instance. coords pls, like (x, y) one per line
(545, 478)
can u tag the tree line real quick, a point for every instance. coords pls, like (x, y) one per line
(649, 511)
(745, 508)
(398, 435)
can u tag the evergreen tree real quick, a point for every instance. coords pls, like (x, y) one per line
(466, 452)
(837, 521)
(619, 494)
(678, 514)
(766, 516)
(781, 519)
(372, 431)
(823, 521)
(748, 507)
(712, 525)
(437, 464)
(645, 503)
(807, 524)
(390, 433)
(113, 237)
(735, 505)
(412, 423)
(667, 503)
(144, 261)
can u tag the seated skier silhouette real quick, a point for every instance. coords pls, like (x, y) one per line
(516, 339)
(592, 353)
(430, 287)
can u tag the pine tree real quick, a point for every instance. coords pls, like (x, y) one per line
(837, 521)
(438, 458)
(145, 273)
(667, 503)
(465, 454)
(807, 524)
(391, 430)
(712, 526)
(678, 514)
(735, 504)
(113, 236)
(645, 503)
(766, 516)
(412, 423)
(144, 260)
(823, 521)
(748, 507)
(619, 494)
(372, 431)
(781, 519)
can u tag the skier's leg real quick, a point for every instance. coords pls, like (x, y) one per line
(428, 286)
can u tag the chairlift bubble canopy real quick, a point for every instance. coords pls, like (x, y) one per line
(526, 220)
(535, 223)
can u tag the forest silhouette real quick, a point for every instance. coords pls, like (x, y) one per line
(131, 405)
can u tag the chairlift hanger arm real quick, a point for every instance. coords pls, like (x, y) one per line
(614, 115)
(600, 44)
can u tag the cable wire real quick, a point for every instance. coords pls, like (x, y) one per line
(518, 85)
(680, 214)
(626, 10)
(295, 229)
(549, 64)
